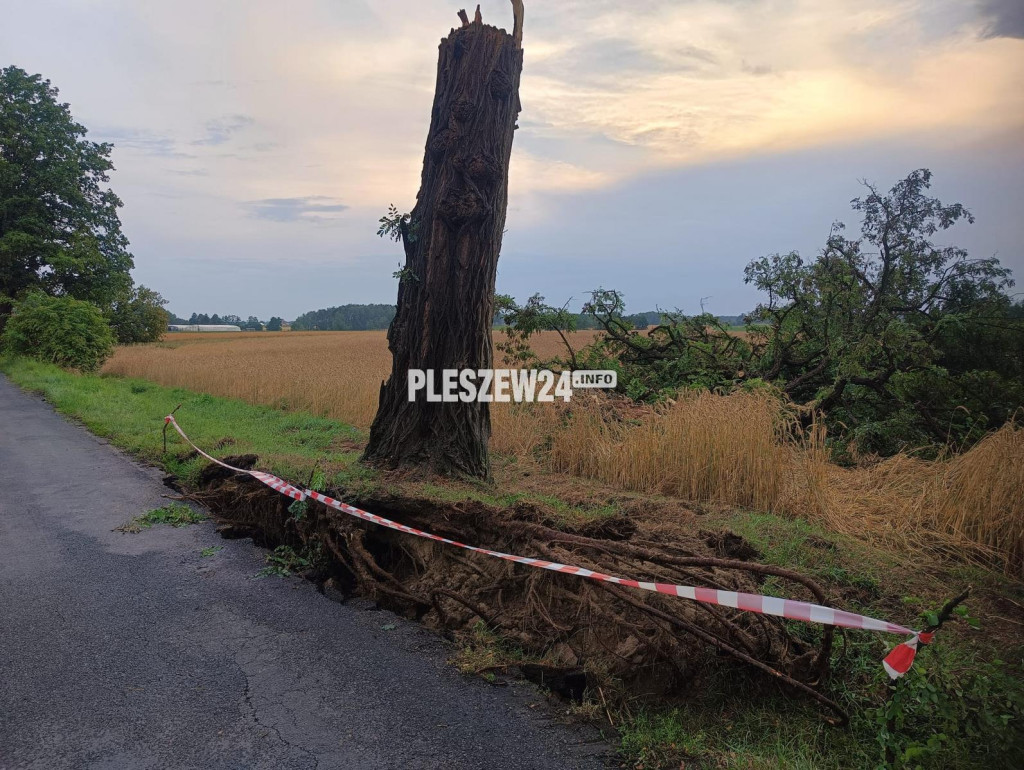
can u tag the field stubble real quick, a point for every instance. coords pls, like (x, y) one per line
(740, 449)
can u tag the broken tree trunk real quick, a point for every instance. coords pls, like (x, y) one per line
(451, 241)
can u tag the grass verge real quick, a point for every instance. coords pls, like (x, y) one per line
(129, 413)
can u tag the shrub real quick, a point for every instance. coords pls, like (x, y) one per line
(953, 711)
(61, 330)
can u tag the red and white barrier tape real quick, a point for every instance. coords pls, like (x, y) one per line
(271, 481)
(896, 663)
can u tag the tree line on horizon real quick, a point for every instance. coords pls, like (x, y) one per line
(252, 323)
(354, 317)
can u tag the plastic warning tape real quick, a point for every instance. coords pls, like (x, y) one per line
(278, 485)
(896, 663)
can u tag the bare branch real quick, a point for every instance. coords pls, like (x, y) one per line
(517, 16)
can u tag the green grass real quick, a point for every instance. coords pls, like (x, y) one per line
(713, 735)
(129, 413)
(292, 445)
(174, 514)
(954, 709)
(807, 548)
(558, 507)
(959, 707)
(285, 560)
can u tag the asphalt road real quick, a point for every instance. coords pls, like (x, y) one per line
(135, 651)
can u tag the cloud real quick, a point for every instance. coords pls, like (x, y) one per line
(220, 130)
(141, 141)
(312, 208)
(839, 72)
(595, 59)
(1005, 18)
(270, 114)
(756, 69)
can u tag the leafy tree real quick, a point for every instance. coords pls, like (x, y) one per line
(140, 317)
(900, 342)
(643, 320)
(59, 227)
(861, 332)
(252, 323)
(274, 324)
(535, 316)
(679, 352)
(61, 330)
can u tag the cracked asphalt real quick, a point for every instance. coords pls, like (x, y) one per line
(136, 651)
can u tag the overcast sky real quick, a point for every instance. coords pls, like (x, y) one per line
(662, 145)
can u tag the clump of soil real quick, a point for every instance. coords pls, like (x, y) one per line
(729, 545)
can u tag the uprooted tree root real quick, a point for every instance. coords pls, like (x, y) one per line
(645, 641)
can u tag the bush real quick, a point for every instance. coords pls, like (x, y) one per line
(953, 711)
(61, 330)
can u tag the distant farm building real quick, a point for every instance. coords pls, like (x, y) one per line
(203, 328)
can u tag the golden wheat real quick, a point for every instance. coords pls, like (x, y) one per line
(331, 374)
(729, 449)
(979, 496)
(743, 449)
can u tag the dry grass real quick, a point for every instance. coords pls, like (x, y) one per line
(741, 450)
(979, 496)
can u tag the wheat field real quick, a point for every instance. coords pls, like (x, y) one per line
(331, 374)
(740, 449)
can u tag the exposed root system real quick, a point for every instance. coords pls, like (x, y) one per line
(654, 645)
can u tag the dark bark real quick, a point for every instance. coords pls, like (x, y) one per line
(452, 240)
